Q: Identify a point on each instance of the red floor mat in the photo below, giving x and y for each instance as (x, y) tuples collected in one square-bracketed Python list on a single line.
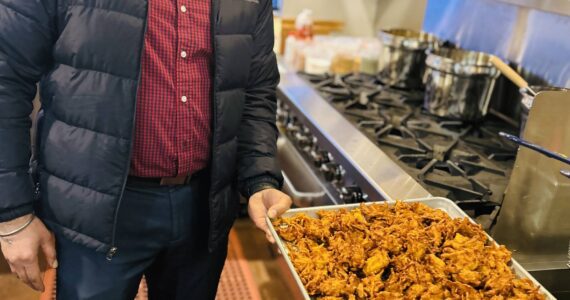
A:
[(236, 283), (237, 280)]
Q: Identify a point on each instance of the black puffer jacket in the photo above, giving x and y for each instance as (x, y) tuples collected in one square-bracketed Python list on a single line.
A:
[(85, 54)]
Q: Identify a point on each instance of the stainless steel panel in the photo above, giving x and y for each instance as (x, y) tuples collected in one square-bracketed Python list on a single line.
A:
[(444, 204), (374, 171), (533, 220)]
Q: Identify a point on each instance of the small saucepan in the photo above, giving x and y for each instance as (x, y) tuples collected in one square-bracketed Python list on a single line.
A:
[(459, 83), (402, 60)]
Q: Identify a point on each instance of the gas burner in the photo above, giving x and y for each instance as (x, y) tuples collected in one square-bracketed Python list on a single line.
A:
[(414, 98), (478, 190), (357, 80), (439, 152), (337, 89), (386, 100), (315, 78), (362, 101), (451, 129), (489, 142), (332, 87), (444, 151), (466, 162), (394, 125), (453, 125)]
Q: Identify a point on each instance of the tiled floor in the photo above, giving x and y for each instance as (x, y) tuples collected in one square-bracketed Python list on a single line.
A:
[(253, 271), (11, 288), (237, 281), (267, 267)]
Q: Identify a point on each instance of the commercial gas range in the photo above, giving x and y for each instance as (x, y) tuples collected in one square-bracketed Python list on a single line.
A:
[(362, 141), (466, 162)]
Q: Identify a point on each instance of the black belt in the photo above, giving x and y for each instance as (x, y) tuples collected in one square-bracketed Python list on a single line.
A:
[(164, 181)]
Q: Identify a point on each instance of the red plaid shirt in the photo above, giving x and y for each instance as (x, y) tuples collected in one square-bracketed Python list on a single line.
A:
[(172, 128)]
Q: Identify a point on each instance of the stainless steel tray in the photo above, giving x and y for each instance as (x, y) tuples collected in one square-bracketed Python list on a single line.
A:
[(444, 204)]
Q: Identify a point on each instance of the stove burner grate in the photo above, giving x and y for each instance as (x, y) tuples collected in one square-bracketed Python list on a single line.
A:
[(466, 162)]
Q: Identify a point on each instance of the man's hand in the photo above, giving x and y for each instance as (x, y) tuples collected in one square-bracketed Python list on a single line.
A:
[(269, 202), (21, 250)]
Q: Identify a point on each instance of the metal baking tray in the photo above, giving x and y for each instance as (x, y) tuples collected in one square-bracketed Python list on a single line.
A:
[(444, 204)]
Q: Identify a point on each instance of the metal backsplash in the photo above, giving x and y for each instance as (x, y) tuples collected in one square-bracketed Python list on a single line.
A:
[(533, 39)]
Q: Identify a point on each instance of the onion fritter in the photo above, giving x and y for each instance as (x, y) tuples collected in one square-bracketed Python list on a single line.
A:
[(401, 251)]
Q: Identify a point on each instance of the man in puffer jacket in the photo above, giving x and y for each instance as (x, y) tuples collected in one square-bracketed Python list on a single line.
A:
[(155, 114)]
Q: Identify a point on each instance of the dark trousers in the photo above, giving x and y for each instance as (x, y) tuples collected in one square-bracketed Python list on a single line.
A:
[(161, 233)]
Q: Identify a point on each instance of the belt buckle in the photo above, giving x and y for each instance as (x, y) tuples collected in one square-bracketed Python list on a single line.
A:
[(179, 180), (187, 179), (165, 181)]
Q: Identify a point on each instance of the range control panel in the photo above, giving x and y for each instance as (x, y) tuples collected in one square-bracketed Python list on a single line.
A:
[(331, 173)]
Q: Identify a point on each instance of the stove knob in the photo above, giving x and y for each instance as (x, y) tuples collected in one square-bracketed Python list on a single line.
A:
[(320, 157), (351, 194), (282, 116), (312, 144), (305, 141), (332, 171), (292, 129), (282, 105), (291, 121)]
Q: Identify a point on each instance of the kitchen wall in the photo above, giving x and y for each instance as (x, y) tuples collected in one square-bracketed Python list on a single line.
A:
[(400, 13), (362, 17), (532, 38)]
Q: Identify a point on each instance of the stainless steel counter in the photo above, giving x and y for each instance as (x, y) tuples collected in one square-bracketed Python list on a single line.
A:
[(376, 174)]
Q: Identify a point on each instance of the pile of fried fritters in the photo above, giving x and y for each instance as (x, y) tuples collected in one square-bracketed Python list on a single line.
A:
[(400, 251)]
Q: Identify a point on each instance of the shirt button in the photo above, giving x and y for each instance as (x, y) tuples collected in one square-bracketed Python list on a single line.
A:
[(183, 8), (184, 99), (183, 54)]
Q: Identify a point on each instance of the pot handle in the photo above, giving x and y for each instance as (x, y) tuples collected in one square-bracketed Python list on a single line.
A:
[(511, 74)]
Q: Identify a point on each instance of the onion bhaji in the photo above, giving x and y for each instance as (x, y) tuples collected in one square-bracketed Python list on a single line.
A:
[(401, 251)]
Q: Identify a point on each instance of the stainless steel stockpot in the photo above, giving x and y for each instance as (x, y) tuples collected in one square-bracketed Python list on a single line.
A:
[(402, 60), (459, 83)]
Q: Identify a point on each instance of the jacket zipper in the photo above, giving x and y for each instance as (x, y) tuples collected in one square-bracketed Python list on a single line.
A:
[(37, 190), (213, 22), (113, 250)]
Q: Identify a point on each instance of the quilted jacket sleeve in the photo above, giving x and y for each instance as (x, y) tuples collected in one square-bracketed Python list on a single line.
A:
[(25, 45), (258, 132)]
